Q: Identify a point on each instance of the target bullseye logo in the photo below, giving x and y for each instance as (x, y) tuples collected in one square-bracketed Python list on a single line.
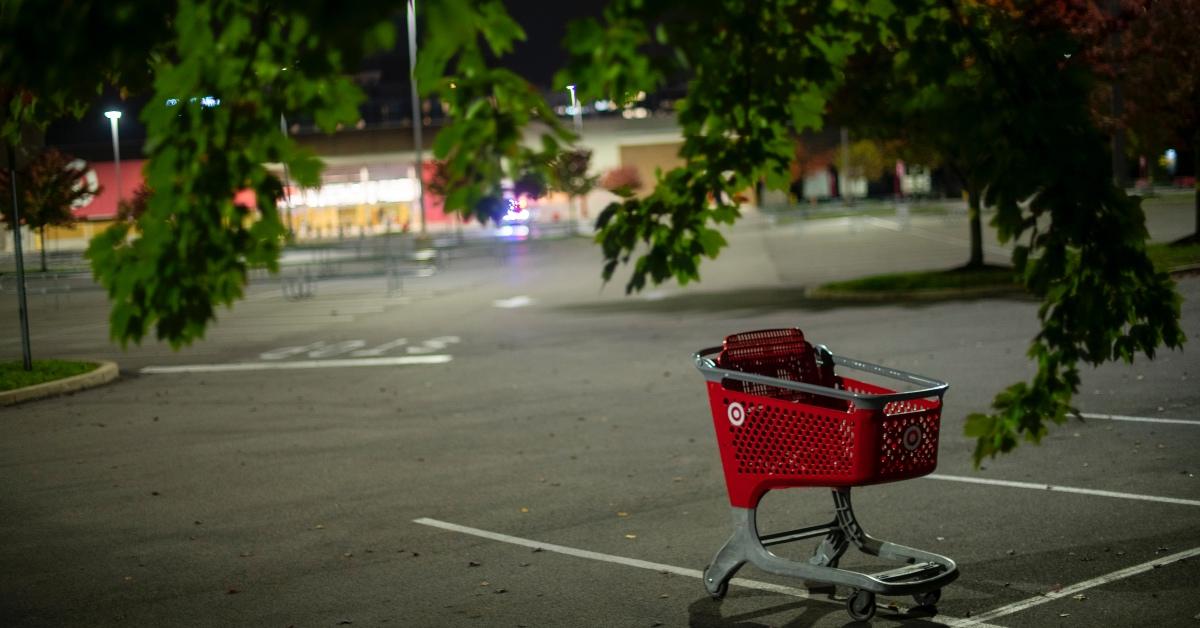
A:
[(736, 414), (912, 436)]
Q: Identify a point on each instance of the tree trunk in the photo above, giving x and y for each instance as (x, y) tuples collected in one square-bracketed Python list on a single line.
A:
[(42, 231), (976, 227), (1196, 183)]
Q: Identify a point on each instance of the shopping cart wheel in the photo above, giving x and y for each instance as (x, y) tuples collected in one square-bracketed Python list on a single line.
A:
[(717, 590), (861, 605), (928, 598)]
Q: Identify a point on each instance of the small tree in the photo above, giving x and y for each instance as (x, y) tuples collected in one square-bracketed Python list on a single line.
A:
[(622, 181), (131, 210), (531, 184), (49, 187), (1163, 84), (570, 174)]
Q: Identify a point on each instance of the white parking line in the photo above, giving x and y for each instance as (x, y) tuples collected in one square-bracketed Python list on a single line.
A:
[(1063, 489), (1083, 586), (893, 225), (515, 302), (1138, 419), (298, 364), (660, 567)]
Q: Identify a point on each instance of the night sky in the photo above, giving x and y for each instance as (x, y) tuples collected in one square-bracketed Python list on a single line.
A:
[(542, 53), (537, 59)]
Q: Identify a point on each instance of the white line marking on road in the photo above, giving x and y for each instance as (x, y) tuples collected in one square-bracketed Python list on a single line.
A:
[(434, 344), (645, 564), (515, 302), (337, 348), (1085, 585), (287, 352), (299, 364), (892, 225), (1064, 489), (1137, 419), (381, 349)]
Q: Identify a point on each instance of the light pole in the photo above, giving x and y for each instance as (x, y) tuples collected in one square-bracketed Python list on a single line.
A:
[(416, 107), (575, 111), (22, 302), (287, 185), (578, 116), (113, 116)]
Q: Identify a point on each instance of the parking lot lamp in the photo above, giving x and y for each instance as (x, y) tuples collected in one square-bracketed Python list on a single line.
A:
[(113, 116)]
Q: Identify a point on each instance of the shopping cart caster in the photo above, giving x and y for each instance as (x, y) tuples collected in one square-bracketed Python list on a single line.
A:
[(928, 599), (861, 605), (716, 590)]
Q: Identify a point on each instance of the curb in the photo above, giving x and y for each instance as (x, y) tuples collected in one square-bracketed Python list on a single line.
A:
[(104, 373), (911, 295)]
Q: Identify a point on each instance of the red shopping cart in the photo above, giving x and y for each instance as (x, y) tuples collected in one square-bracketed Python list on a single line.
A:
[(785, 418)]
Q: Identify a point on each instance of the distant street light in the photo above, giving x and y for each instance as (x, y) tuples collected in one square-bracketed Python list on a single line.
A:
[(575, 111), (113, 116)]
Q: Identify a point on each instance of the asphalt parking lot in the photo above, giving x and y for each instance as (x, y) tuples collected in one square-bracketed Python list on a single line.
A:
[(507, 443)]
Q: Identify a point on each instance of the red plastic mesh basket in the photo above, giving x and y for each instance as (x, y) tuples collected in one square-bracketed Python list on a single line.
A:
[(771, 437)]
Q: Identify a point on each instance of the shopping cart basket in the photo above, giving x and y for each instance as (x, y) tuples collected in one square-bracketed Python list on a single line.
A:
[(784, 418)]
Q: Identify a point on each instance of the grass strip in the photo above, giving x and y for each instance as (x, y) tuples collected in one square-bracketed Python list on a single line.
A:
[(1174, 255), (1165, 257), (13, 375), (954, 279)]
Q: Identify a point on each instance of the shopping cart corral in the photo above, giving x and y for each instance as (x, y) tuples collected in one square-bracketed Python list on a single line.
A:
[(787, 415)]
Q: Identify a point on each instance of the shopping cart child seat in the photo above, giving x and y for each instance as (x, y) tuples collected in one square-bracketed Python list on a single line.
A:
[(786, 417)]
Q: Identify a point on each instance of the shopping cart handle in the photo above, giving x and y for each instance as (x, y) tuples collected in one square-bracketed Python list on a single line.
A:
[(929, 387)]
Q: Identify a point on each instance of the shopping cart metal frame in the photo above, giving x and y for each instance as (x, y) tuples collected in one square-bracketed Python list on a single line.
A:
[(922, 574)]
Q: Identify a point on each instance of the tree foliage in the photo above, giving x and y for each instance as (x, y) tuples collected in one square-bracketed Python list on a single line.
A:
[(193, 244), (622, 181), (986, 88), (1162, 84), (569, 172), (48, 188), (530, 184), (133, 208), (870, 159), (979, 82), (489, 105)]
